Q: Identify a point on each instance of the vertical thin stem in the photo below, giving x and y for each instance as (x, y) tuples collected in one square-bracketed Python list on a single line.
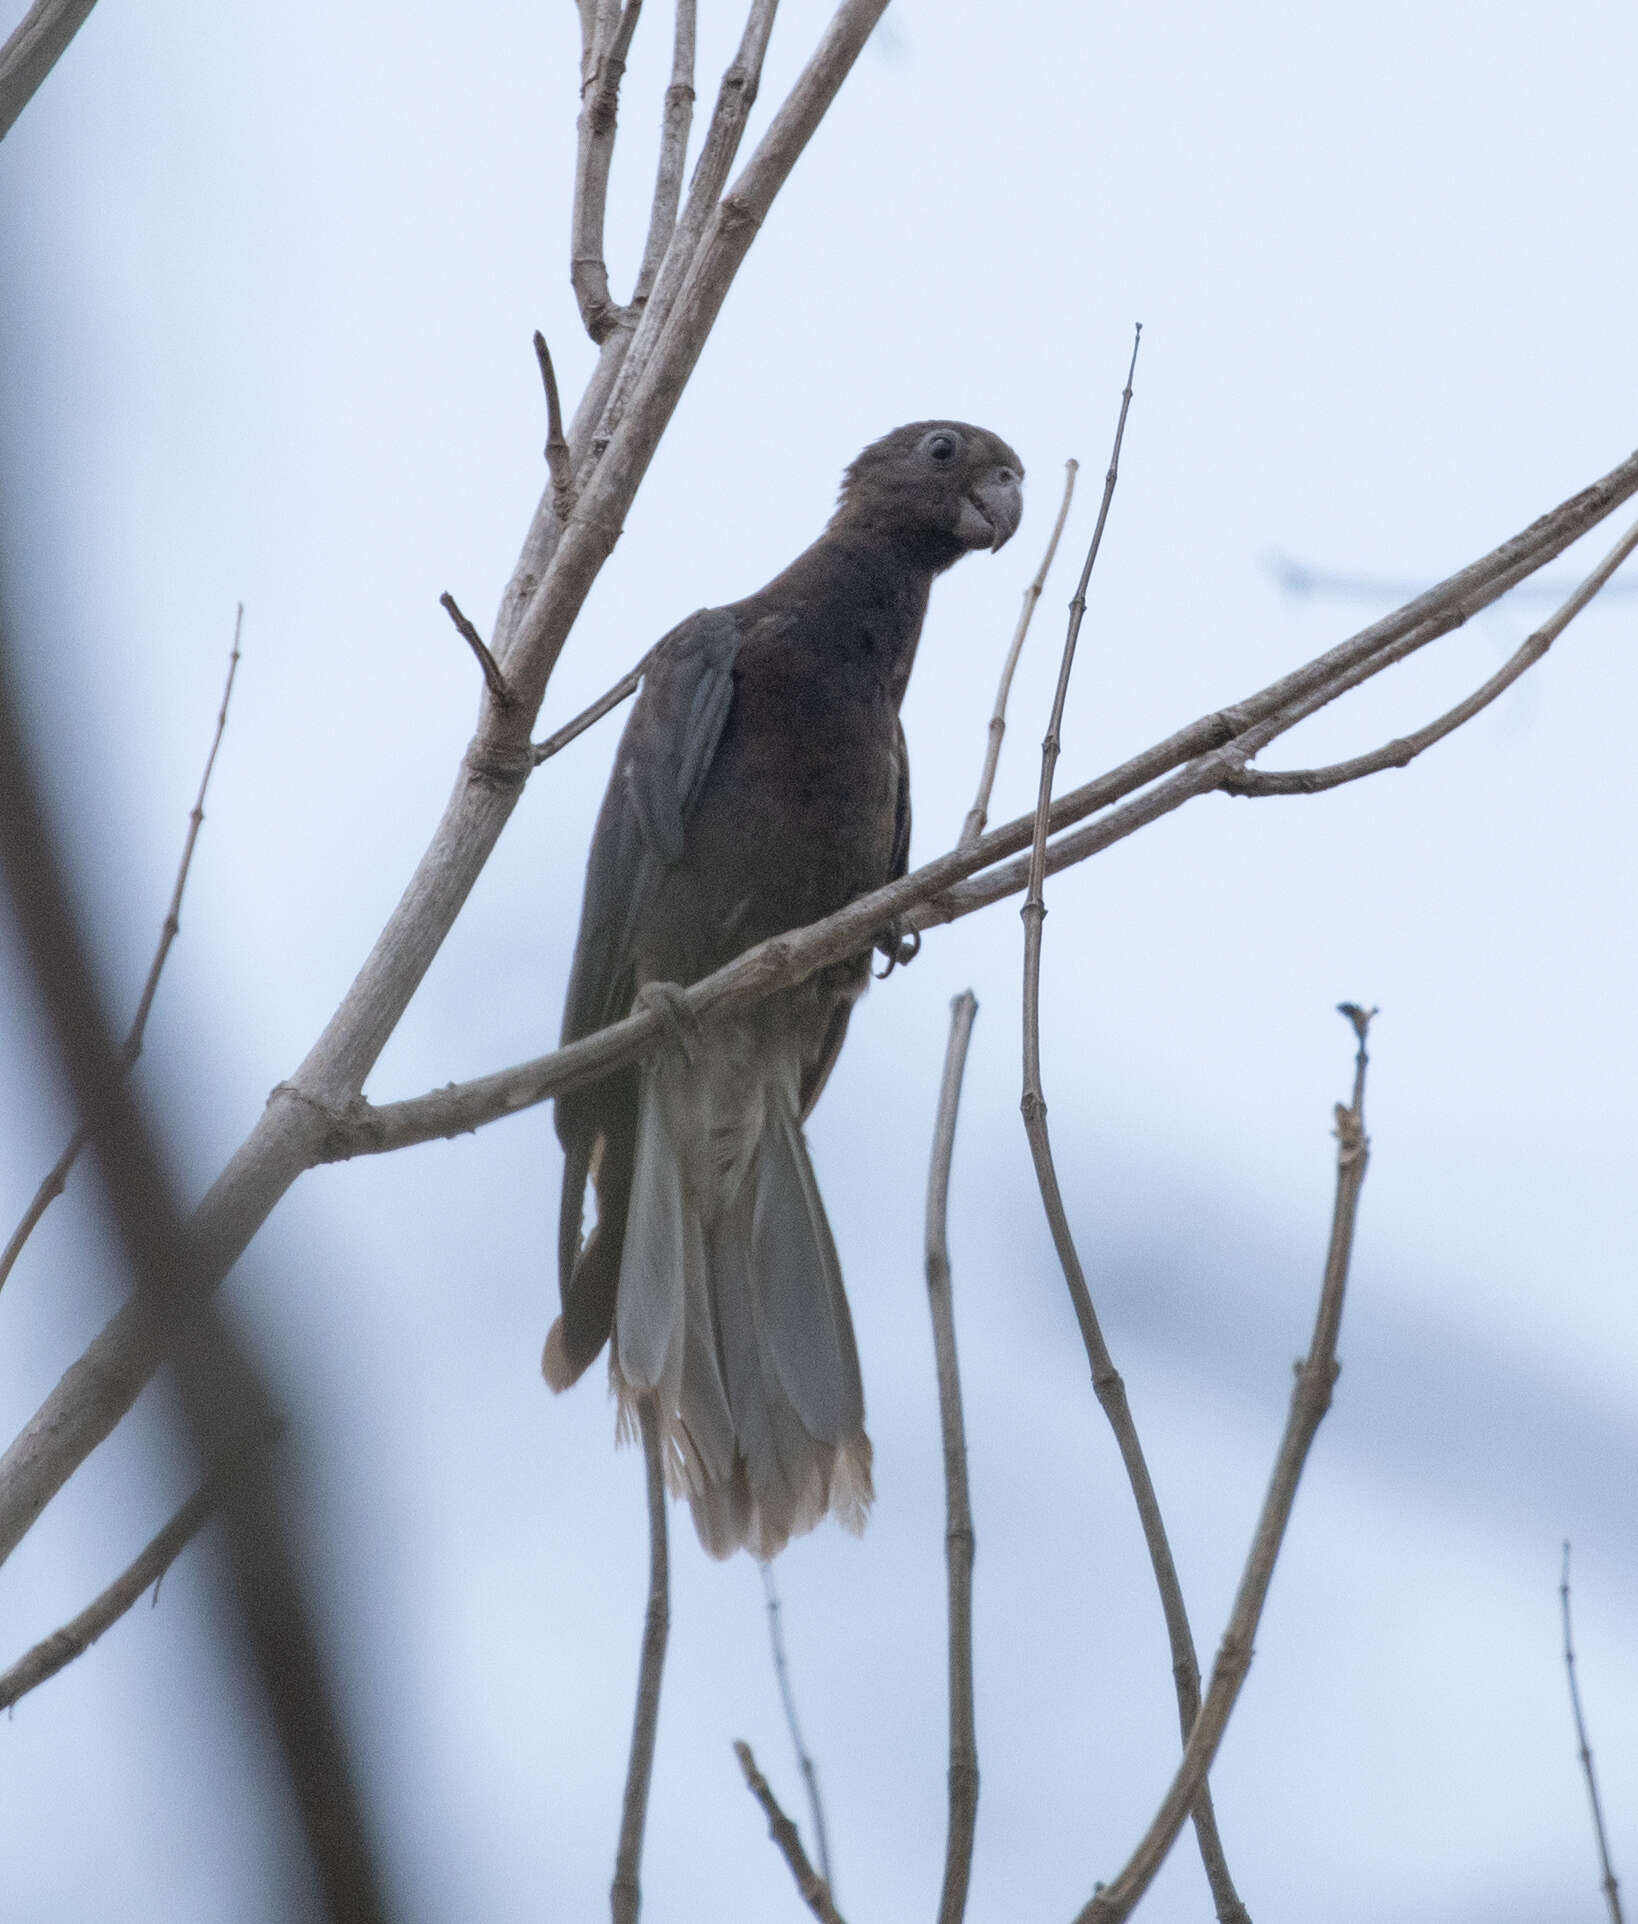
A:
[(979, 813), (677, 120), (625, 1893), (959, 1542), (1611, 1889)]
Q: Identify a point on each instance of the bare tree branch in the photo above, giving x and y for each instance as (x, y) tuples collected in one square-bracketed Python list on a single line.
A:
[(1310, 1399), (979, 813), (554, 574), (967, 879), (1107, 1383), (1404, 750), (625, 1891), (30, 53), (56, 1180), (804, 1760), (494, 680), (1607, 1882), (960, 1544), (809, 1883)]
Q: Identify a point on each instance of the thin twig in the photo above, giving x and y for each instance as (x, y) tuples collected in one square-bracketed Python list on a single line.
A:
[(33, 49), (625, 1891), (960, 1544), (812, 1887), (57, 1178), (1611, 1889), (677, 117), (611, 698), (493, 678), (1107, 1383), (1405, 749), (1310, 1399), (804, 1759), (979, 813), (57, 1651), (557, 448)]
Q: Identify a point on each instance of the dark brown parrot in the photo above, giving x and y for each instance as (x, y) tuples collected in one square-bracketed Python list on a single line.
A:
[(761, 784)]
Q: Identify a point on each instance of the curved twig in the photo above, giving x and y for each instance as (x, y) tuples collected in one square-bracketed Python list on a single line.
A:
[(56, 1179), (1607, 1881)]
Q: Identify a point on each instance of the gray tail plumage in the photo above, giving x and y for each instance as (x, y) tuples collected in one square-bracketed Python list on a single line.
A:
[(731, 1310)]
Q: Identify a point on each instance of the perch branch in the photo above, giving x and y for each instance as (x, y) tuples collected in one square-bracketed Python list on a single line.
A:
[(1310, 1399), (1607, 1882), (33, 49), (979, 813), (1107, 1383), (55, 1181), (804, 1759), (493, 678), (960, 1544), (624, 1893), (558, 467), (814, 1891)]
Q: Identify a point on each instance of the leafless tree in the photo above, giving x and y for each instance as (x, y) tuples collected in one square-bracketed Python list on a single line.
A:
[(648, 346)]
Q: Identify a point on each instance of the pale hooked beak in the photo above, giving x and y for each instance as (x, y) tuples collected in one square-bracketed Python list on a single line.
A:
[(991, 511)]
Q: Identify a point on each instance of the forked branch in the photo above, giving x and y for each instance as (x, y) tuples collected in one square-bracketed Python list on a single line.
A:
[(1310, 1399), (814, 1892)]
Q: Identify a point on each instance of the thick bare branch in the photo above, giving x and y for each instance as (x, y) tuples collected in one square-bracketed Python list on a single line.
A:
[(960, 1544), (812, 1887), (554, 574), (625, 1891), (979, 813), (56, 1179), (1310, 1399), (964, 880), (30, 53), (1607, 1880)]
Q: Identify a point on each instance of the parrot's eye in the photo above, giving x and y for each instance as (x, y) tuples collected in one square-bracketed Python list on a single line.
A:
[(941, 448)]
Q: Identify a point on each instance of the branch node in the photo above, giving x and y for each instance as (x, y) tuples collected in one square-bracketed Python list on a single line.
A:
[(558, 464)]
